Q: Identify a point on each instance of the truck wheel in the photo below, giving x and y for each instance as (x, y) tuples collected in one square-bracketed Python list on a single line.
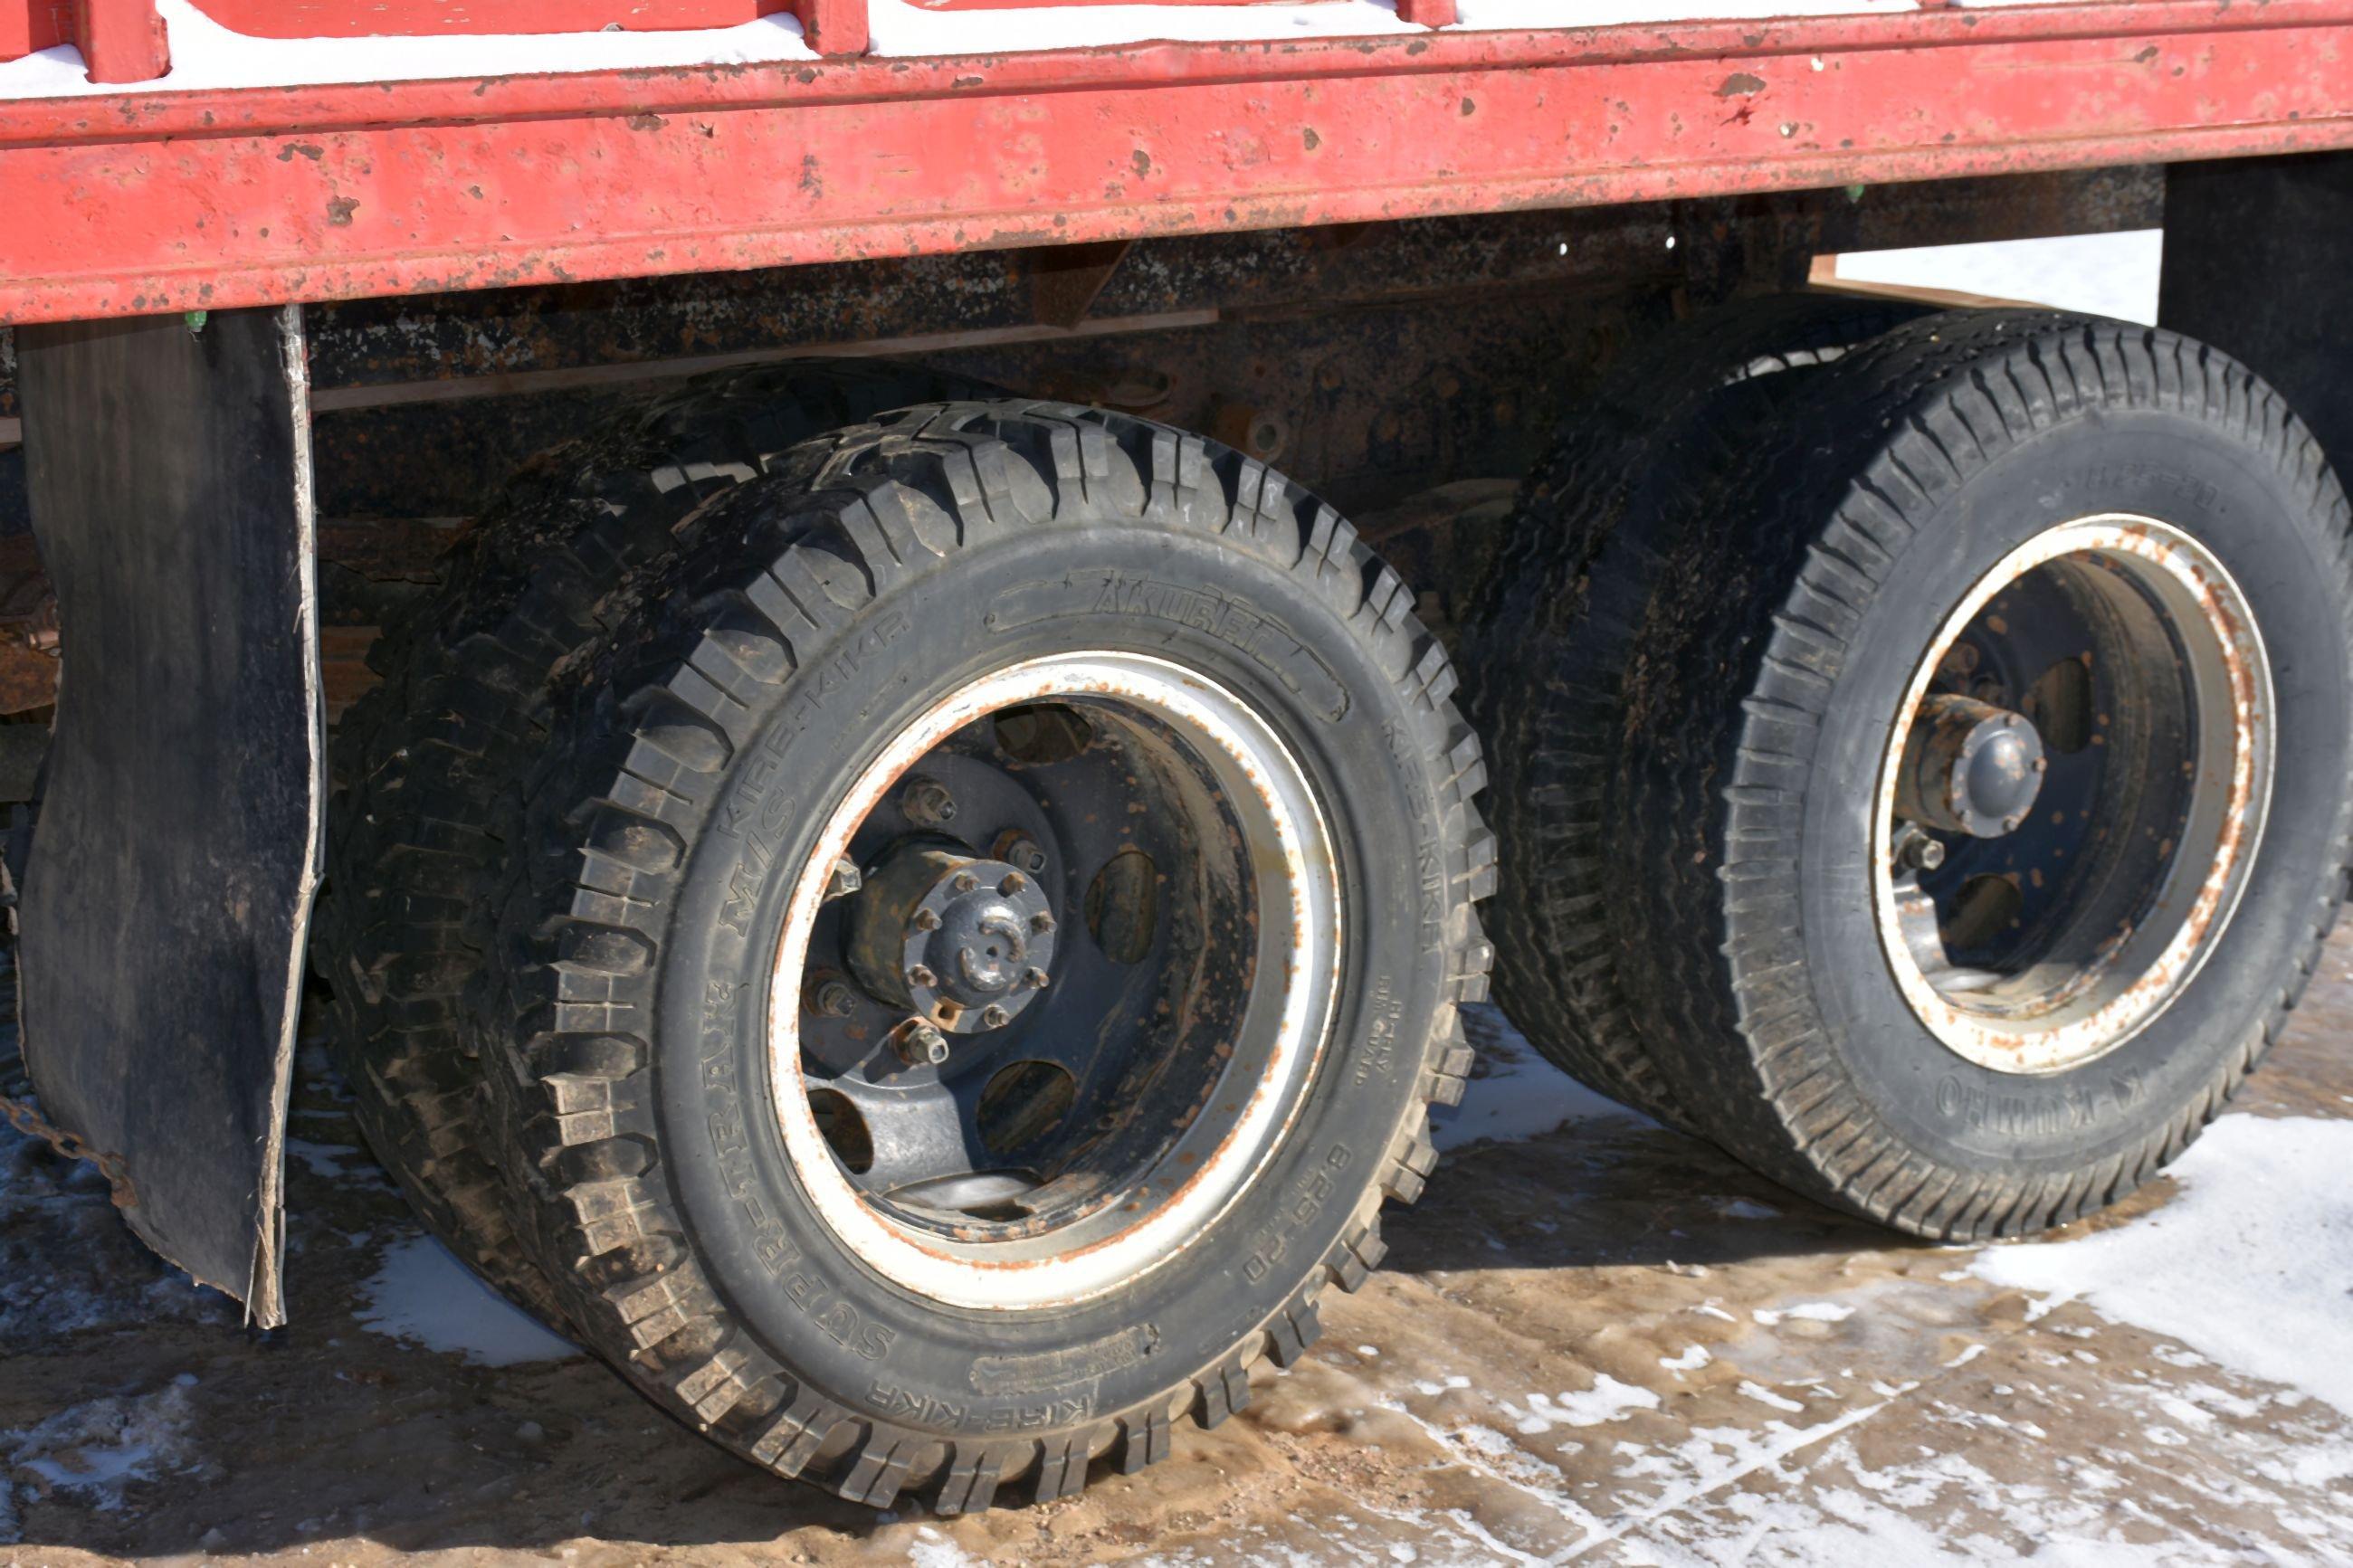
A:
[(983, 941), (1545, 652), (1987, 778), (412, 855)]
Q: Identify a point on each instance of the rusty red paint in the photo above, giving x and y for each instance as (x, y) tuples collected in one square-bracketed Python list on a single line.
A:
[(168, 202)]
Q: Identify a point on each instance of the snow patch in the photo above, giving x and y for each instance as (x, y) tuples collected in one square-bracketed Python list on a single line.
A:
[(96, 1448), (205, 54), (1514, 1094), (1804, 1311), (1607, 1400), (423, 1295), (1693, 1358), (2251, 1263)]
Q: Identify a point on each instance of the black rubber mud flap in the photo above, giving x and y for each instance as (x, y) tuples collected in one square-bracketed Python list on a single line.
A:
[(169, 891)]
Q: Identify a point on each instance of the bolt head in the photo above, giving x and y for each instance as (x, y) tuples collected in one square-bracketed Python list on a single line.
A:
[(1037, 979), (921, 1045), (1034, 858), (832, 999), (965, 882), (1041, 921), (917, 974), (994, 1016), (1013, 883), (926, 920)]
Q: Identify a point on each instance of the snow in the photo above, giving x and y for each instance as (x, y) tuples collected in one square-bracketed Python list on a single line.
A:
[(2250, 1264), (1607, 1400), (1516, 1094), (95, 1448), (207, 55), (1804, 1311), (2098, 274), (423, 1294)]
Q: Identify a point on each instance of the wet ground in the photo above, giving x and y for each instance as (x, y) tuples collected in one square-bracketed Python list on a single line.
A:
[(1595, 1339)]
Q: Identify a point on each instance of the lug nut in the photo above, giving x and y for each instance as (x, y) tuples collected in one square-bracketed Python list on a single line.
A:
[(831, 997), (926, 920), (918, 976), (844, 880), (1016, 849), (927, 802), (1013, 883), (965, 882), (994, 1016), (922, 1045), (1041, 921), (1921, 853), (1037, 979)]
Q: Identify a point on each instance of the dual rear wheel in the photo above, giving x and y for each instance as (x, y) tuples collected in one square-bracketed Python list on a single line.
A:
[(925, 934)]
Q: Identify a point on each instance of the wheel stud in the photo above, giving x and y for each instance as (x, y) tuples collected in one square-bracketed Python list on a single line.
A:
[(1919, 852), (965, 882), (994, 1016), (921, 976), (926, 920), (1041, 921), (920, 1044), (829, 996), (1037, 979), (1013, 883), (927, 802)]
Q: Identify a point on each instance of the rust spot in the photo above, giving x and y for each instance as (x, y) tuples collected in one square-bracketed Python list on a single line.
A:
[(339, 210), (1740, 84), (645, 122)]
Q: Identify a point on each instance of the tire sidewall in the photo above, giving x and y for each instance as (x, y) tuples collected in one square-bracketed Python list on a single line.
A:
[(2235, 499), (1257, 626)]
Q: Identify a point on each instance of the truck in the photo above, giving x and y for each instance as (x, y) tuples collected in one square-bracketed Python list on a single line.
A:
[(893, 668)]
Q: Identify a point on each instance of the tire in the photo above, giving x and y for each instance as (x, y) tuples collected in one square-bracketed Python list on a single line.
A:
[(668, 827), (412, 853), (1779, 672), (1545, 653)]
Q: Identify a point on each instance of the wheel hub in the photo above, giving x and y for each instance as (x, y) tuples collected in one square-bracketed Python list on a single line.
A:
[(965, 941), (1970, 767)]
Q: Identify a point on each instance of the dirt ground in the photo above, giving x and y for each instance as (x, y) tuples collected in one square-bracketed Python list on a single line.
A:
[(1605, 1341)]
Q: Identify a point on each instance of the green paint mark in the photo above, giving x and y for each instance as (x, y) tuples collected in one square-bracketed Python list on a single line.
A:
[(195, 320)]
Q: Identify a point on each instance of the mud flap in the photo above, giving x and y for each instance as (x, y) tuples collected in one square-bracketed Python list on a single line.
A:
[(170, 884)]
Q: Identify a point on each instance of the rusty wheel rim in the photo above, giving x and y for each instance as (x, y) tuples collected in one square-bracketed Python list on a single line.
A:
[(1053, 984), (2071, 794)]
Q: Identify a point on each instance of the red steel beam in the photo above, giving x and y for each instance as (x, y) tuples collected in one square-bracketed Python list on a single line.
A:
[(168, 202)]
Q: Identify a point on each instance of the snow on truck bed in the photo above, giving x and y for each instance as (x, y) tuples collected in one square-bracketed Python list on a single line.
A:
[(207, 55)]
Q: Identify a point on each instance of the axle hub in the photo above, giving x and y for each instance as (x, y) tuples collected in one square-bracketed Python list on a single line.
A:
[(1970, 767), (965, 941)]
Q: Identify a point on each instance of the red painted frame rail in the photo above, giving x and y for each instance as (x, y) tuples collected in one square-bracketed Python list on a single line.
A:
[(147, 203)]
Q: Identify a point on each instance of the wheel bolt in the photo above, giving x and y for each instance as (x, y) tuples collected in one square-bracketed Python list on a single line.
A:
[(926, 920), (922, 1045), (994, 1016), (965, 882), (1037, 978), (927, 802), (1921, 853), (1041, 921), (1023, 852), (917, 974), (1013, 883), (831, 997)]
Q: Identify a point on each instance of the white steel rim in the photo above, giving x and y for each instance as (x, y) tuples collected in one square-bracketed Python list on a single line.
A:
[(1301, 945), (2230, 675)]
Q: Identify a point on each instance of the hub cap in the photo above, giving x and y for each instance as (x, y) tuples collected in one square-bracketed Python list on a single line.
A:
[(1069, 991), (2072, 794)]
